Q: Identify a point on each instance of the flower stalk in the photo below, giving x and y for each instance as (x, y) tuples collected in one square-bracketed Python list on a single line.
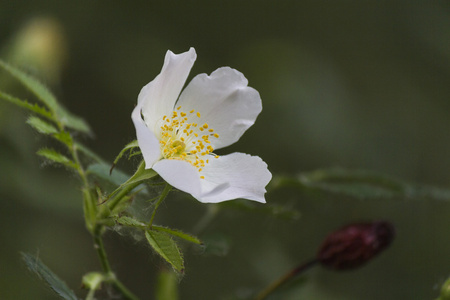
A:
[(347, 248), (285, 278), (163, 196)]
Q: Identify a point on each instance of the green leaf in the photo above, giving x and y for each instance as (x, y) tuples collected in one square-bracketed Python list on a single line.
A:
[(36, 266), (24, 104), (178, 233), (37, 88), (163, 244), (64, 137), (46, 97), (56, 157), (44, 127), (128, 221), (360, 184), (167, 287), (101, 171), (140, 175), (41, 126), (86, 151), (70, 120)]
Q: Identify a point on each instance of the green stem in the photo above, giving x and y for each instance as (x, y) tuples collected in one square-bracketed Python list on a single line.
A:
[(163, 196), (112, 203), (97, 232), (119, 286), (285, 278), (98, 245), (126, 293)]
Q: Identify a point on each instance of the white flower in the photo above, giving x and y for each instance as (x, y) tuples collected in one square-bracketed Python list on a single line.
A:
[(178, 135)]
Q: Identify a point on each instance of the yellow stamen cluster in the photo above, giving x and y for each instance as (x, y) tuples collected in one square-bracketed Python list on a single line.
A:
[(183, 139)]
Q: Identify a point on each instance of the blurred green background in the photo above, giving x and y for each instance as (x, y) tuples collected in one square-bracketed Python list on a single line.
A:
[(353, 84)]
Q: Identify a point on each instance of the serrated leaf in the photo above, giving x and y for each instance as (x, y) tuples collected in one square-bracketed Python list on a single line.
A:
[(41, 126), (46, 97), (361, 184), (33, 85), (64, 137), (36, 266), (128, 221), (56, 157), (178, 233), (166, 247), (25, 104)]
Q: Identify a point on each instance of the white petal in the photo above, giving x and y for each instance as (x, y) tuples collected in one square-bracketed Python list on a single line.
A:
[(147, 141), (179, 174), (225, 103), (233, 176), (159, 96)]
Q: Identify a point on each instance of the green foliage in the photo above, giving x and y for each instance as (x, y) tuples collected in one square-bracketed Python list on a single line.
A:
[(90, 209), (41, 126), (57, 157), (445, 291), (130, 222), (178, 233), (88, 152), (101, 171), (139, 176), (58, 113), (26, 105), (36, 266), (64, 137), (360, 184), (165, 246)]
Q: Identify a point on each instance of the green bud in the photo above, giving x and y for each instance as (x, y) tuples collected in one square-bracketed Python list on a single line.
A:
[(445, 291), (92, 281)]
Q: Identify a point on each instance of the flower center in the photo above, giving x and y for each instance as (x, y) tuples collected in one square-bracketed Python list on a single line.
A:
[(182, 138)]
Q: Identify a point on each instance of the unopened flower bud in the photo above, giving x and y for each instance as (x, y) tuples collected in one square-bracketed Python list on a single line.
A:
[(355, 244), (445, 291)]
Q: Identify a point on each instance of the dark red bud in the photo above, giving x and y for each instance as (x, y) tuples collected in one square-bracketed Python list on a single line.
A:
[(355, 244)]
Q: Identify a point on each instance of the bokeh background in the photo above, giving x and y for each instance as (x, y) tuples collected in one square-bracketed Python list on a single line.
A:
[(352, 84)]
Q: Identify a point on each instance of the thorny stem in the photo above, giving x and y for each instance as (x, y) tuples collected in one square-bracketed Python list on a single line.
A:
[(98, 242), (120, 287), (285, 278), (163, 196)]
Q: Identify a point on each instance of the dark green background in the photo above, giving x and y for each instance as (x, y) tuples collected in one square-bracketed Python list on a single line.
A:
[(354, 84)]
